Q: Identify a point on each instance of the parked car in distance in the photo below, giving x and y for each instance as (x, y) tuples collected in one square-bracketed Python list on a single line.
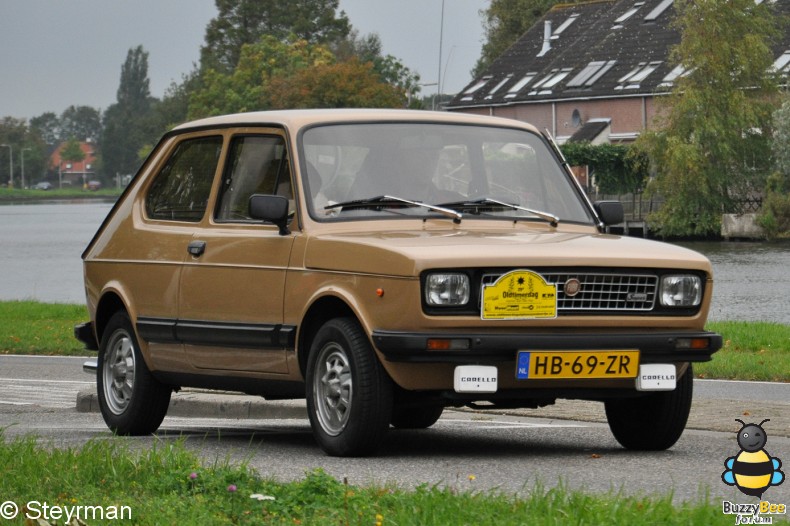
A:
[(385, 265), (93, 185), (43, 185)]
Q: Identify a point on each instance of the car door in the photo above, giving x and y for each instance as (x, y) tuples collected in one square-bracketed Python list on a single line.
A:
[(232, 283), (150, 258)]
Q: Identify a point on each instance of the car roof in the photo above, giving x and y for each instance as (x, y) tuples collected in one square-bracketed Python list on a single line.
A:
[(295, 119)]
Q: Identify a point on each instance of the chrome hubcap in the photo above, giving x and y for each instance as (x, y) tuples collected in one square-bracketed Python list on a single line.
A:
[(118, 372), (333, 388)]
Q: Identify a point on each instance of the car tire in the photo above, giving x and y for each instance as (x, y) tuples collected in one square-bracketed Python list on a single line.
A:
[(653, 422), (131, 400), (410, 416), (349, 395)]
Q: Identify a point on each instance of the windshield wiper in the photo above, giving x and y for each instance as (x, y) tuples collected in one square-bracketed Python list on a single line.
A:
[(546, 216), (372, 202)]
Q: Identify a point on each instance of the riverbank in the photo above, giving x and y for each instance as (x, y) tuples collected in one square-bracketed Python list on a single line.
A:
[(757, 351), (14, 195)]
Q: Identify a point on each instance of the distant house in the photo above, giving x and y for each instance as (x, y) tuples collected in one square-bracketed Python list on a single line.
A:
[(590, 71), (74, 173)]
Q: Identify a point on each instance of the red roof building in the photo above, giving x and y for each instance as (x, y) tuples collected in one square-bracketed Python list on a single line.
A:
[(74, 172)]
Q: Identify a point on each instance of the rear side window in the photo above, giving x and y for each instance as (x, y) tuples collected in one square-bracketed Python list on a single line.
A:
[(181, 189)]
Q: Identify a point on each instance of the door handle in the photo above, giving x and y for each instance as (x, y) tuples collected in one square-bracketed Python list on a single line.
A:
[(196, 248)]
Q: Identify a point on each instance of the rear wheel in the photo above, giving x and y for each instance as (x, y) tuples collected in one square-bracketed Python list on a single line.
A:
[(131, 400), (652, 422), (349, 395)]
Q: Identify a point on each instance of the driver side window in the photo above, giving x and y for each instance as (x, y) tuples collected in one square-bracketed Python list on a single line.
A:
[(256, 165)]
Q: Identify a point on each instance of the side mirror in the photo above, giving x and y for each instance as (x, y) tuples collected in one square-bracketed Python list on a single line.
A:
[(271, 208), (610, 212)]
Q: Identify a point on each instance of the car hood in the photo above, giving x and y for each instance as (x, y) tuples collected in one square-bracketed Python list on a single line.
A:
[(407, 253)]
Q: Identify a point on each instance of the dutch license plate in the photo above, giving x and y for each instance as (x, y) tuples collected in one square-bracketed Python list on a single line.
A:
[(577, 364)]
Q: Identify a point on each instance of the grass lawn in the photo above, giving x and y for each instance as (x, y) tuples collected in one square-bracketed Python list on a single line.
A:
[(29, 327), (752, 350), (168, 484), (22, 195)]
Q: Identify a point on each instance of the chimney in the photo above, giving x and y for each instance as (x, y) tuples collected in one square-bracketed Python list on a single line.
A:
[(546, 38)]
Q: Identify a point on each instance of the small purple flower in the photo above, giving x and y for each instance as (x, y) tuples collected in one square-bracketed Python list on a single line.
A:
[(192, 476), (232, 488)]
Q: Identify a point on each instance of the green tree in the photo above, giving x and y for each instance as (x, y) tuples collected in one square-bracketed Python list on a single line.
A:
[(130, 122), (369, 49), (504, 22), (247, 87), (72, 151), (712, 147), (82, 122), (241, 22), (616, 169), (775, 213), (350, 84), (47, 126), (172, 110), (24, 141)]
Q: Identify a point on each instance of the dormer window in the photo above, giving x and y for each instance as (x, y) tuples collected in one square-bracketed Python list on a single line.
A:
[(637, 75), (571, 19), (468, 93), (498, 86), (672, 76), (549, 81), (518, 86), (590, 74), (660, 8), (782, 64), (628, 14)]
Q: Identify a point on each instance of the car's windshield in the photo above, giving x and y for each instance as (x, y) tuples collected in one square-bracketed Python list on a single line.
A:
[(476, 170)]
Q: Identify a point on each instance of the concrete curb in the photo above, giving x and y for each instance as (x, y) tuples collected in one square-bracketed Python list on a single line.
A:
[(204, 404), (707, 415)]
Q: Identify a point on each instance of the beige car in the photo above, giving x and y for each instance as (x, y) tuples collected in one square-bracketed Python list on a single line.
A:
[(385, 265)]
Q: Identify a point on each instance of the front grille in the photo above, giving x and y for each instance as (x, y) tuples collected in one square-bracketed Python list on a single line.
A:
[(600, 291)]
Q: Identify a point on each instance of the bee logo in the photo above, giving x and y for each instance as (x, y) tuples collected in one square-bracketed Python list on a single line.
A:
[(752, 470)]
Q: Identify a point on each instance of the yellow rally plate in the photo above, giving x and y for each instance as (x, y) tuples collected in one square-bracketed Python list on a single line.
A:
[(519, 295), (552, 365)]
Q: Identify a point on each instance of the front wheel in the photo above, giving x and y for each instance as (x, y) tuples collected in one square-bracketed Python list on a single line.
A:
[(412, 416), (349, 395), (131, 400), (653, 422)]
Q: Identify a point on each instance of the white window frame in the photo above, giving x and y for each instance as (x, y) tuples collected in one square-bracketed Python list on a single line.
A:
[(521, 84), (660, 8)]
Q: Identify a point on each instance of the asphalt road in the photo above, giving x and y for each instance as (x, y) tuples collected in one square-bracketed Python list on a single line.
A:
[(567, 443)]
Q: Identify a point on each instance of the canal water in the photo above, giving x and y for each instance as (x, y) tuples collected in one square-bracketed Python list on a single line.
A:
[(41, 244)]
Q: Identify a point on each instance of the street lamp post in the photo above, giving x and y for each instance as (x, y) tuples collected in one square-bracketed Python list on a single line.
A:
[(23, 166), (422, 86), (10, 165), (439, 74)]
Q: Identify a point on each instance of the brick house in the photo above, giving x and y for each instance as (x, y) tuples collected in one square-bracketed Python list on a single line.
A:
[(590, 71), (74, 173)]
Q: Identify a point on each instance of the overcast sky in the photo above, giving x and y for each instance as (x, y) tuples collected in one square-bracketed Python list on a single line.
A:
[(55, 53)]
